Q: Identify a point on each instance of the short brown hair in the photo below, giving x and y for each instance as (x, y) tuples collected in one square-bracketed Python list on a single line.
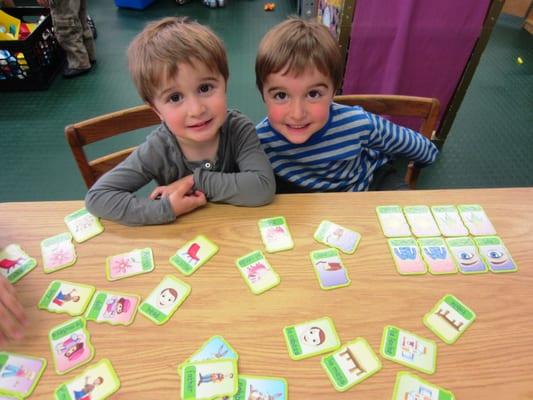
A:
[(154, 54), (295, 44)]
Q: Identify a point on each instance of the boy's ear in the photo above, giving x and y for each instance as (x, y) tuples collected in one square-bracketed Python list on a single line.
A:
[(155, 110)]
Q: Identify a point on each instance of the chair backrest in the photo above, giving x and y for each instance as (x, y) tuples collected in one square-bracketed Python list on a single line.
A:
[(102, 127), (425, 108)]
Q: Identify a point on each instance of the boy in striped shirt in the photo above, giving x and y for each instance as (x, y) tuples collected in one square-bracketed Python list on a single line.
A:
[(314, 144)]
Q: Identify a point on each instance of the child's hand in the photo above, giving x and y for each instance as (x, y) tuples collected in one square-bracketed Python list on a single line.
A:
[(12, 316), (183, 198)]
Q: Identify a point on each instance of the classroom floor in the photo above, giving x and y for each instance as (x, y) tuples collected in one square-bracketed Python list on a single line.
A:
[(489, 144)]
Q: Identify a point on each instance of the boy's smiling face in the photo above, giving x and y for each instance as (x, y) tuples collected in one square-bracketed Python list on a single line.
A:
[(298, 105)]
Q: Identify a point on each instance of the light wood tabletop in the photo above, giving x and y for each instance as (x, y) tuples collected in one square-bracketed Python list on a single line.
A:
[(492, 360)]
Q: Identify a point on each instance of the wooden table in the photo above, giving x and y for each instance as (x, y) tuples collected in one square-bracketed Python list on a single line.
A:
[(492, 360)]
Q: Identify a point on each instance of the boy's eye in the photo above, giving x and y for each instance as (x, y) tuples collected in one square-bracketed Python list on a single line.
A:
[(280, 96), (314, 94), (205, 88), (175, 98)]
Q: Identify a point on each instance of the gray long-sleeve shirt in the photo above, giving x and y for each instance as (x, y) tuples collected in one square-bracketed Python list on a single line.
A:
[(241, 175)]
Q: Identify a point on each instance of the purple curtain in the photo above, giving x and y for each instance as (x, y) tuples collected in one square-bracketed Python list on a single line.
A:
[(412, 47)]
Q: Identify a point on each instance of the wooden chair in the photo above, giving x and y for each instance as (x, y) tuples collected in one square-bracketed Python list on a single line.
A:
[(102, 127), (426, 108)]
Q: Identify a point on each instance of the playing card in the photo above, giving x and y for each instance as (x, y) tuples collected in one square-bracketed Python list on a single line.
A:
[(392, 221), (58, 252), (495, 254), (406, 256), (253, 387), (410, 387), (466, 255), (421, 221), (476, 220), (114, 308), (70, 345), (83, 225), (329, 269), (449, 221), (257, 272), (275, 234), (19, 374), (449, 318), (193, 255), (336, 236), (310, 338), (165, 299), (135, 262), (437, 256), (66, 297), (204, 380), (15, 263)]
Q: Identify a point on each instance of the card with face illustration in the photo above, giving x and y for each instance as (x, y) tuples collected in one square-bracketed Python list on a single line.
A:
[(392, 221), (408, 349), (406, 256), (135, 262), (215, 348), (66, 297), (466, 255), (329, 269), (70, 344), (495, 254), (449, 220), (336, 236), (253, 387), (58, 252), (476, 220), (113, 308), (165, 299), (437, 256), (257, 272), (15, 263), (98, 382), (421, 221), (449, 318), (193, 255), (310, 338), (409, 386), (204, 380), (19, 374), (275, 234), (83, 225), (354, 362)]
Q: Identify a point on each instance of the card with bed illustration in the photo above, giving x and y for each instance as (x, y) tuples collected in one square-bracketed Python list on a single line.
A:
[(449, 318), (392, 221), (66, 297), (261, 388), (58, 252), (83, 225), (495, 254), (215, 348), (70, 344), (275, 234), (465, 253), (336, 236), (408, 349), (19, 374), (476, 220), (193, 255), (329, 269), (98, 382), (311, 338), (15, 263), (408, 386), (421, 221), (165, 299), (135, 262), (406, 256), (449, 220), (437, 256), (212, 379), (257, 272), (113, 308)]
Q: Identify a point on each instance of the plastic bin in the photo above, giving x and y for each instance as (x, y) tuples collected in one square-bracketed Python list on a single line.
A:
[(30, 64), (136, 4)]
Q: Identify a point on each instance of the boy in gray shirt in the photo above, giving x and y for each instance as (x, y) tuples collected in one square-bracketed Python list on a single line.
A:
[(201, 151)]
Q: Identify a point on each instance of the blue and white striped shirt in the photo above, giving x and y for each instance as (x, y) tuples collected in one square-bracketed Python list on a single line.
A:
[(343, 155)]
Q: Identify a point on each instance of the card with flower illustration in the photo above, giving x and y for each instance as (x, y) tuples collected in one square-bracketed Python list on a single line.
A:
[(212, 379), (165, 299), (193, 255), (70, 344), (98, 382), (465, 253), (58, 252), (311, 338), (408, 386), (437, 256), (495, 254), (135, 262), (421, 221), (66, 297), (19, 374), (406, 256), (15, 263), (275, 234), (329, 269), (392, 221), (449, 220), (336, 236), (113, 308), (476, 220), (83, 225), (257, 272), (255, 387)]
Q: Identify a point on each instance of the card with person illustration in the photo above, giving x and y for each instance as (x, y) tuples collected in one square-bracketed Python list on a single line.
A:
[(19, 374), (255, 387), (98, 382), (437, 256), (476, 220), (58, 252), (406, 255), (449, 318), (135, 262), (392, 221), (408, 349), (275, 234), (351, 364), (329, 269), (495, 254), (409, 386), (466, 255), (66, 297), (421, 221), (113, 308), (83, 225), (15, 262), (311, 338), (193, 255), (449, 220), (70, 344), (165, 299), (257, 272), (212, 379), (336, 236), (215, 348)]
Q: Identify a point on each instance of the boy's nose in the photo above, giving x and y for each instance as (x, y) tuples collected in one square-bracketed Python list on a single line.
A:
[(195, 106), (297, 111)]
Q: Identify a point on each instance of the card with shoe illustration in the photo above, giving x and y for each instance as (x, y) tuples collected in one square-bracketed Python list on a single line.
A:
[(329, 269)]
